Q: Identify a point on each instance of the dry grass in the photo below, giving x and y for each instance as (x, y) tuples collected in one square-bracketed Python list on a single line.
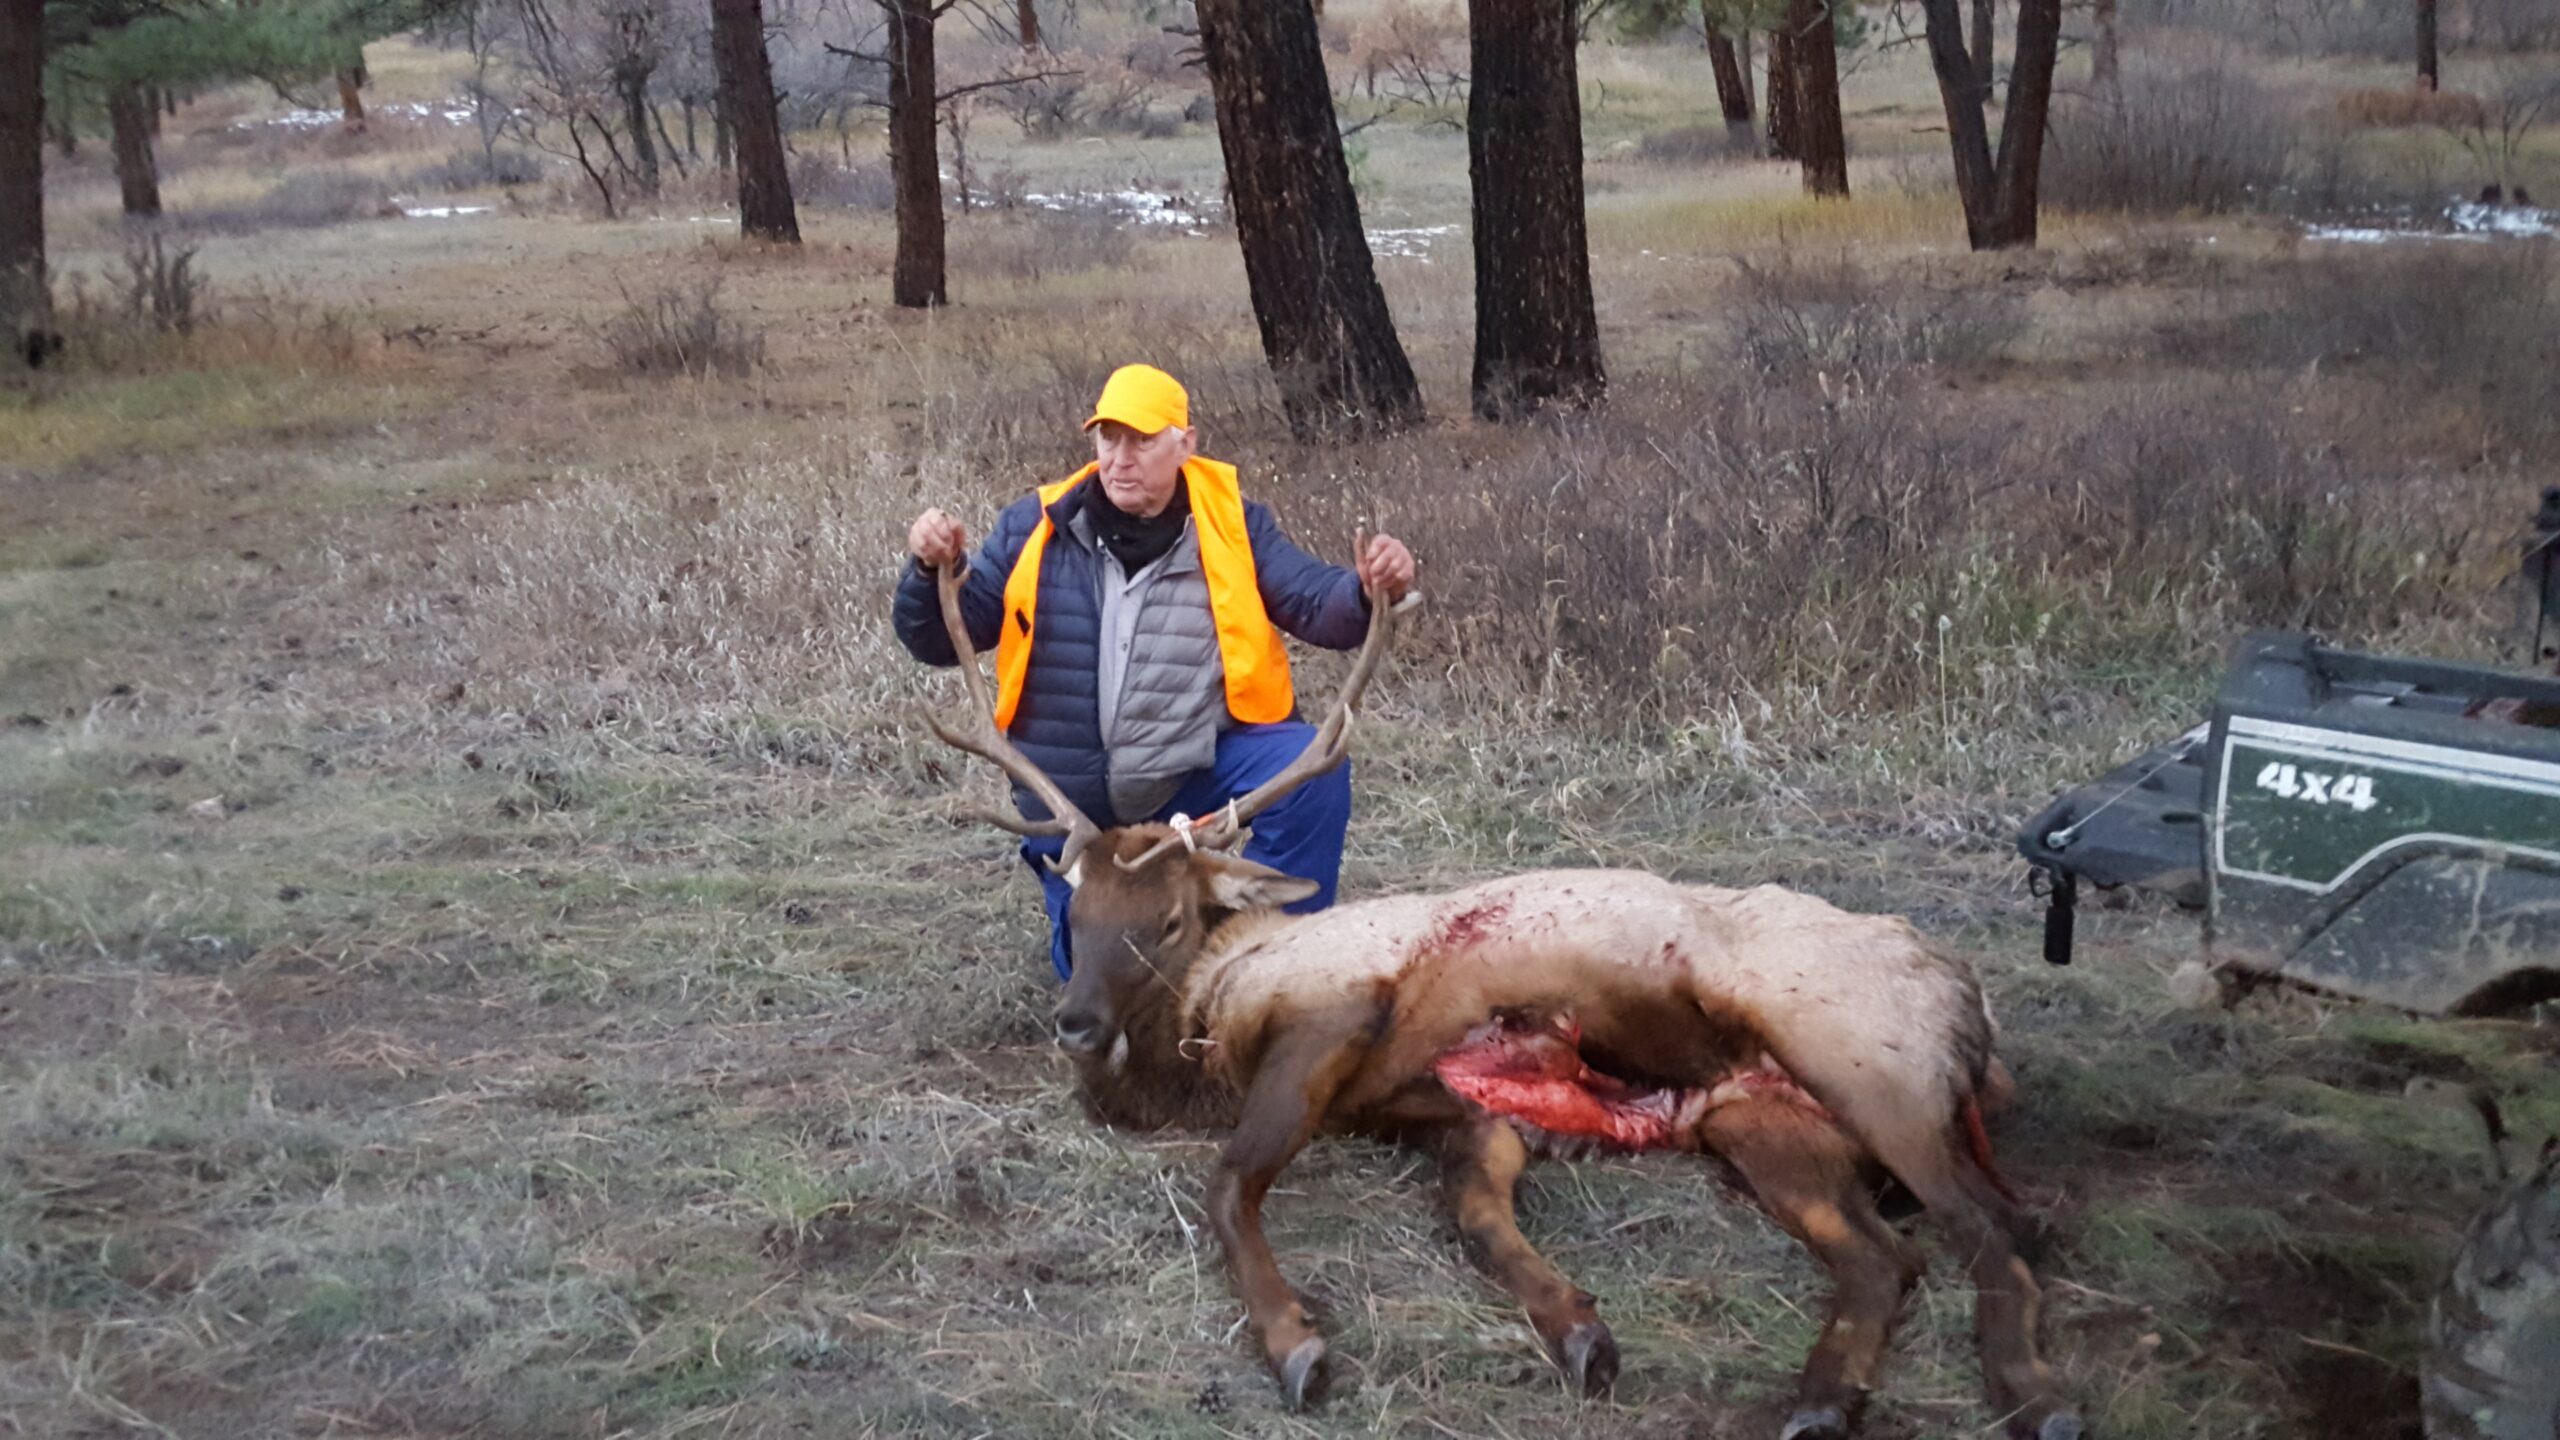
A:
[(570, 1016)]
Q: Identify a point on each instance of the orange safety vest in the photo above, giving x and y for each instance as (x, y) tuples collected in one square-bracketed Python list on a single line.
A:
[(1258, 689)]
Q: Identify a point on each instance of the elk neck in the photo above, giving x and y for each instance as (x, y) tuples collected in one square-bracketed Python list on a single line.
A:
[(1160, 1086)]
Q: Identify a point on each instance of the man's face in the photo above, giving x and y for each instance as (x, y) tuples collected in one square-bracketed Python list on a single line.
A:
[(1140, 471)]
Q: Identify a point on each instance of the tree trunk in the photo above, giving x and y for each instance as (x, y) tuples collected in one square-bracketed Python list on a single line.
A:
[(1325, 327), (2020, 166), (1999, 197), (2427, 59), (915, 161), (723, 136), (765, 211), (1733, 86), (1536, 336), (1026, 20), (1984, 33), (350, 95), (129, 124), (2104, 61), (1820, 143), (632, 83), (25, 303), (1781, 100), (686, 106)]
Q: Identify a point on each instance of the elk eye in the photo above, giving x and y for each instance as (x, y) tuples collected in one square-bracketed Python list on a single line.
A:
[(1173, 925)]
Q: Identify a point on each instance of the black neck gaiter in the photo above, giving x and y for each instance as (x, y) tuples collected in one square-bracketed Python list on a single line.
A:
[(1137, 541)]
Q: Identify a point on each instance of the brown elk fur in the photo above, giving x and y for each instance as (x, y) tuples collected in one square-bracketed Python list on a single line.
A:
[(1200, 1005)]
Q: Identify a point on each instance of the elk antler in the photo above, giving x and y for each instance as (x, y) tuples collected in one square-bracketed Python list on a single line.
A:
[(1331, 744), (981, 738)]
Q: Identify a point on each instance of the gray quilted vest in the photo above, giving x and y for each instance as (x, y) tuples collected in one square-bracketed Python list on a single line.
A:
[(1162, 684)]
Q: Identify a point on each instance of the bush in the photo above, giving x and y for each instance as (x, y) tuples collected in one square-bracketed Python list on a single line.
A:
[(816, 180), (1882, 547), (2473, 323), (313, 198), (1699, 145), (471, 168), (1101, 97), (1796, 319), (680, 332), (1055, 243), (161, 291), (2170, 138)]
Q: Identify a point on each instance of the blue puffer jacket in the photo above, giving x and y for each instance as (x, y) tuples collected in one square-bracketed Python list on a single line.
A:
[(1058, 724)]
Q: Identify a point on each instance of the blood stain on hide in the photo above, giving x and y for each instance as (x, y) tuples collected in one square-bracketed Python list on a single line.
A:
[(1470, 926)]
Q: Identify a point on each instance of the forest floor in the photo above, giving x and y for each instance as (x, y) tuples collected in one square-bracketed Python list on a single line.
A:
[(482, 953)]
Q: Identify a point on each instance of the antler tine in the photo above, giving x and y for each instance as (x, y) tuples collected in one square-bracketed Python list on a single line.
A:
[(1331, 744), (982, 739)]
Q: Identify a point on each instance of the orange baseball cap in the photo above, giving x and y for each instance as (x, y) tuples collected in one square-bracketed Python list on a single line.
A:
[(1143, 398)]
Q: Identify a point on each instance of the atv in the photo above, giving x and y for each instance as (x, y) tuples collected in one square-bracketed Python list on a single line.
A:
[(2389, 830)]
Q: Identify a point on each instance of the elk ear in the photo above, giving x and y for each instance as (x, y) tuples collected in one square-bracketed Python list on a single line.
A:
[(1243, 885)]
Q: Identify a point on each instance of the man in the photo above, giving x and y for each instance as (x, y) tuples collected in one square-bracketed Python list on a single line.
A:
[(1133, 608)]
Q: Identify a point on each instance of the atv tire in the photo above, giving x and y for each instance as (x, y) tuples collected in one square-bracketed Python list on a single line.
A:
[(2493, 1372)]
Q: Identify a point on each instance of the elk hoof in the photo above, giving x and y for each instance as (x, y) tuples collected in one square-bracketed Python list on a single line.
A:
[(1817, 1422), (2061, 1425), (1304, 1376), (1590, 1357)]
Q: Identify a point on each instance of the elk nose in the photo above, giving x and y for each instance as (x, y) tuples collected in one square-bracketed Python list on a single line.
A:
[(1079, 1033)]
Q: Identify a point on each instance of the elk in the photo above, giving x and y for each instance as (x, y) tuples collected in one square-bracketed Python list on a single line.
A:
[(1813, 1050)]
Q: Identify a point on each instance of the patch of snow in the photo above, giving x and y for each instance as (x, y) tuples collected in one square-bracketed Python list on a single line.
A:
[(2470, 220), (1412, 242), (442, 212), (1147, 207), (2474, 218), (450, 112)]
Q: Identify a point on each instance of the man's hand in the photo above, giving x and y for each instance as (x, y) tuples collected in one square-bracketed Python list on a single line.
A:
[(937, 540), (1386, 568)]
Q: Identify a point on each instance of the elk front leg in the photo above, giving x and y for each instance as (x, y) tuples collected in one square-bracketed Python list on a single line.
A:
[(1481, 1160), (1805, 1172), (1299, 1075)]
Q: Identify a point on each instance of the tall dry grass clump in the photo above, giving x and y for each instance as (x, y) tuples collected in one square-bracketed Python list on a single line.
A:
[(2172, 135), (656, 601), (680, 330)]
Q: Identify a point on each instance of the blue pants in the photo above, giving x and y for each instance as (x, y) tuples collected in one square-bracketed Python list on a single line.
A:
[(1301, 834)]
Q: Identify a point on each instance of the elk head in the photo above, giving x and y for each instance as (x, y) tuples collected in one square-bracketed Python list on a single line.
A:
[(1147, 897)]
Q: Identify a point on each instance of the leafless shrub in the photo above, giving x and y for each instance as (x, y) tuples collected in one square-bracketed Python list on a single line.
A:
[(1698, 145), (304, 200), (2495, 133), (2407, 105), (1098, 97), (680, 331), (1797, 318), (2515, 26), (161, 290), (2170, 137), (860, 185), (2474, 323), (1055, 243), (473, 168)]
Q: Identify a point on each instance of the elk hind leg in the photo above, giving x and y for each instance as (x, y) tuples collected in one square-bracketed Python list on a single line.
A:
[(1301, 1071), (1481, 1160), (1936, 1163), (1806, 1172)]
